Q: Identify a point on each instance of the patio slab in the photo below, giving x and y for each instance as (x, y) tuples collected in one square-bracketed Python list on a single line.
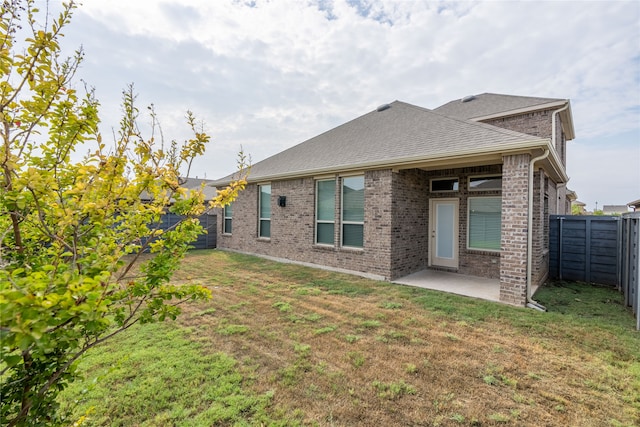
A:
[(460, 284)]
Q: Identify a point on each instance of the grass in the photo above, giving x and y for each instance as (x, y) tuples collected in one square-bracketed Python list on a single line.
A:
[(281, 344), (154, 375)]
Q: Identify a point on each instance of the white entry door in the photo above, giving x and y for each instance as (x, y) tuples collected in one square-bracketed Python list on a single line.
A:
[(443, 232)]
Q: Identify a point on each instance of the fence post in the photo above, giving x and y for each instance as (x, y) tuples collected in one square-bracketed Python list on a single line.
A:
[(560, 248)]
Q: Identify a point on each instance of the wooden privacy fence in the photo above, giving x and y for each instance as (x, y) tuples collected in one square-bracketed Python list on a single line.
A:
[(597, 249), (630, 284), (205, 240)]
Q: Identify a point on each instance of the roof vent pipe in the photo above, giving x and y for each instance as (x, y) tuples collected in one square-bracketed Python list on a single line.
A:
[(383, 107), (468, 98)]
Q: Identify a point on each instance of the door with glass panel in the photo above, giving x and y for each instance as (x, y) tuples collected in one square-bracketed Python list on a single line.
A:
[(443, 233)]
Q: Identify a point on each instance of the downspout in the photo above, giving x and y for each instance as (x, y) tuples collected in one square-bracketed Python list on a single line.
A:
[(530, 302)]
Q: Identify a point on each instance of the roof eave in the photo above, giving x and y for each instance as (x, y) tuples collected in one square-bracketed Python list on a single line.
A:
[(459, 158), (566, 115)]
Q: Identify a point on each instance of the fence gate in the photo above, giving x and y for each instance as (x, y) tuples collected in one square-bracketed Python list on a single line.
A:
[(585, 248)]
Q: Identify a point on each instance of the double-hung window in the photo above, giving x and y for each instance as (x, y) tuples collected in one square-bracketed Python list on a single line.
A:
[(228, 214), (264, 207), (353, 211), (325, 211), (484, 223)]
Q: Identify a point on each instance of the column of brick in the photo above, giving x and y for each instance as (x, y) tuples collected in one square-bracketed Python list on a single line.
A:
[(513, 259)]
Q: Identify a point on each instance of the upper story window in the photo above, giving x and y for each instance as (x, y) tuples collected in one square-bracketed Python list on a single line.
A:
[(353, 211), (444, 184), (325, 211), (485, 183), (227, 223), (264, 207)]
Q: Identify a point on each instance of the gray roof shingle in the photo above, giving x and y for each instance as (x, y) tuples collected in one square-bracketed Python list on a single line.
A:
[(488, 104), (399, 134)]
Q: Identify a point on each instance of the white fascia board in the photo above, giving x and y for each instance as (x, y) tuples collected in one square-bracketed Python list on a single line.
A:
[(453, 158), (567, 122), (516, 112)]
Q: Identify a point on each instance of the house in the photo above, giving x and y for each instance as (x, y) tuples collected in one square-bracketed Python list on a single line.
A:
[(578, 208), (635, 205), (614, 209), (466, 187)]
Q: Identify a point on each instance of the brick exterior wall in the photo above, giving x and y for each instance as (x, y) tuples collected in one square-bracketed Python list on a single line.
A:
[(410, 216), (293, 226), (471, 261), (396, 224), (540, 245), (513, 261), (537, 123), (396, 231)]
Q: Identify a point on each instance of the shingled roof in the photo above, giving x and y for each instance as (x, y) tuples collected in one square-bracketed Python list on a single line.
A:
[(401, 135), (487, 104), (490, 105)]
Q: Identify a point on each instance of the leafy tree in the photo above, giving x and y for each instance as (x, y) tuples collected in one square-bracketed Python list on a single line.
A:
[(80, 257)]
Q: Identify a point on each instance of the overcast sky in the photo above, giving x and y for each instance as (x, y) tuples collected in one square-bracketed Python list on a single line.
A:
[(267, 75)]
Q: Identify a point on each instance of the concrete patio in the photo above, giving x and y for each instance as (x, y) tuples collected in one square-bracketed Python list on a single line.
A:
[(460, 284)]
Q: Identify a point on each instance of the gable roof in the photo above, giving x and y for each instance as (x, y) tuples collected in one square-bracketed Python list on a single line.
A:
[(398, 136), (491, 105)]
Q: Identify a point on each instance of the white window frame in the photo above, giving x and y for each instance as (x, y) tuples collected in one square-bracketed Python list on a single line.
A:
[(260, 218), (451, 178), (319, 221), (226, 217), (469, 199), (342, 220)]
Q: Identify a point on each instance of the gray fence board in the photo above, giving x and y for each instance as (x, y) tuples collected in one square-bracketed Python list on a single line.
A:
[(598, 249), (585, 248), (631, 262), (206, 240)]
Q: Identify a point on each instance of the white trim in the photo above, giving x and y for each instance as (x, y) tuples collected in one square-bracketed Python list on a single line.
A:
[(518, 111), (224, 220), (433, 259), (260, 218), (342, 221), (318, 221), (474, 156)]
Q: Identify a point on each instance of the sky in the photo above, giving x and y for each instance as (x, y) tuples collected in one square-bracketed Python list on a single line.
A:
[(267, 75)]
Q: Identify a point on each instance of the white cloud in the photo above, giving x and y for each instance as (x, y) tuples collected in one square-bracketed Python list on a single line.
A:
[(269, 74)]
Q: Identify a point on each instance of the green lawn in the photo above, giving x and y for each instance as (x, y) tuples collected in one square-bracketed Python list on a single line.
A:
[(281, 344)]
